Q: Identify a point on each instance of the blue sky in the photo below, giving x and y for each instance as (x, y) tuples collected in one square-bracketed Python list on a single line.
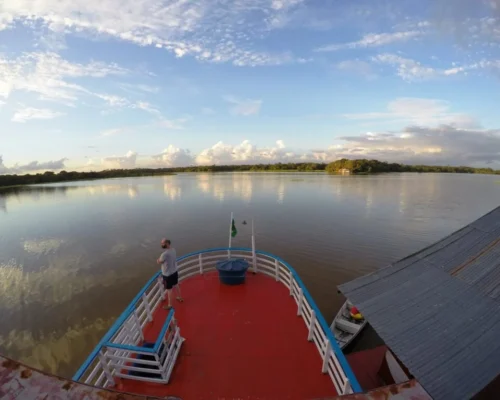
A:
[(90, 84)]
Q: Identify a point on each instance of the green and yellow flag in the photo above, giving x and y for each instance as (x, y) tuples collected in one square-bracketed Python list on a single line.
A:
[(234, 231)]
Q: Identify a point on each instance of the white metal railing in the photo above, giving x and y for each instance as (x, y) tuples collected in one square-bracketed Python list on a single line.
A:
[(126, 330), (120, 354)]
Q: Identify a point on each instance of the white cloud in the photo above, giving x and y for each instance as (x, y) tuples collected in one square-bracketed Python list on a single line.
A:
[(245, 107), (173, 124), (411, 70), (5, 21), (34, 166), (417, 111), (373, 40), (407, 69), (112, 132), (174, 157), (112, 100), (116, 162), (145, 106), (244, 153), (442, 144), (209, 30), (49, 75), (138, 88), (28, 113), (358, 67)]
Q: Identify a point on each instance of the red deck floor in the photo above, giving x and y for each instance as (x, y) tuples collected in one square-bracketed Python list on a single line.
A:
[(242, 342)]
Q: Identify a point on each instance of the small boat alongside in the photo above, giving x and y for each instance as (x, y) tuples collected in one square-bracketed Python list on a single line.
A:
[(347, 324)]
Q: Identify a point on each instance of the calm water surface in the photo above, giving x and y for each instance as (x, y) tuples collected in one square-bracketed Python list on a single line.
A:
[(72, 256)]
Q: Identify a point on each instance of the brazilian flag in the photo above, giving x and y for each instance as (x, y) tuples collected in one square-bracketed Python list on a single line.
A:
[(234, 231)]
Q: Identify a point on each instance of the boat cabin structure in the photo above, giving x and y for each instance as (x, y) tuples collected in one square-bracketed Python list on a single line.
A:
[(438, 312)]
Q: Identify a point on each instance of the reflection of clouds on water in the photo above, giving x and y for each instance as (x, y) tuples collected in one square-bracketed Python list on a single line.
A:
[(281, 192), (238, 184), (369, 200), (132, 191), (172, 191), (49, 351), (215, 187), (403, 194), (24, 195), (42, 246), (242, 186)]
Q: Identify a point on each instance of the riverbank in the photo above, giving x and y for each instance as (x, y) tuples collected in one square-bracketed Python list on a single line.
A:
[(343, 166)]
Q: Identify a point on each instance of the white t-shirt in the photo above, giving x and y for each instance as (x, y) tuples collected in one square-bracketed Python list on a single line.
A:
[(168, 262)]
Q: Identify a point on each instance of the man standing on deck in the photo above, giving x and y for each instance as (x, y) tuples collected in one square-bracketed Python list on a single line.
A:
[(168, 261)]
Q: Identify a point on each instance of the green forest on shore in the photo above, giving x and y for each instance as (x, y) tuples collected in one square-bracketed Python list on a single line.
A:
[(361, 166)]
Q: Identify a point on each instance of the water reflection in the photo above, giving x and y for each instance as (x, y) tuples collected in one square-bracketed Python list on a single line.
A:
[(172, 190), (42, 246)]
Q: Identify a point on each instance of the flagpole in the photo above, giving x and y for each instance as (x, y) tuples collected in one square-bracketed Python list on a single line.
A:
[(230, 235)]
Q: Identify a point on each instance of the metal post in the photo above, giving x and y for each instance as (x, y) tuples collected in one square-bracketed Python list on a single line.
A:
[(301, 296), (328, 350), (230, 235), (254, 252), (138, 324), (162, 371), (128, 332), (311, 326), (105, 367), (162, 288), (347, 387), (291, 283), (148, 307), (277, 270), (201, 264)]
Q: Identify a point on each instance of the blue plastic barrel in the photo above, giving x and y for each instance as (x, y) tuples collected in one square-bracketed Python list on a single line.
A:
[(232, 271)]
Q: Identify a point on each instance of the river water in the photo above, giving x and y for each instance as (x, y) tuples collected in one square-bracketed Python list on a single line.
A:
[(73, 255)]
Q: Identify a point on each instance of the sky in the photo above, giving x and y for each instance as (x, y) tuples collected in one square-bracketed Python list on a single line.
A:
[(99, 84)]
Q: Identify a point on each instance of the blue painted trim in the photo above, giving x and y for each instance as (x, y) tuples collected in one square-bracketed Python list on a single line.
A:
[(114, 328), (326, 328), (160, 337), (129, 347)]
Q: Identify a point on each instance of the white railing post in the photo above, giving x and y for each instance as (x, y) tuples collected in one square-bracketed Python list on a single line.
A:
[(105, 368), (301, 297), (162, 288), (347, 387), (311, 326), (230, 236), (138, 323), (328, 350), (147, 306), (200, 261), (254, 255), (277, 270), (128, 332), (162, 371), (291, 283)]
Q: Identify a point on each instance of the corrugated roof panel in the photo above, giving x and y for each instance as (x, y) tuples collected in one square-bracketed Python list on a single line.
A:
[(444, 242), (438, 310), (458, 251), (489, 222)]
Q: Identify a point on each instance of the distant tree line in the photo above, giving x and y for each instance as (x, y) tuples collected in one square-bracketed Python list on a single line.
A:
[(364, 166), (64, 176), (361, 166)]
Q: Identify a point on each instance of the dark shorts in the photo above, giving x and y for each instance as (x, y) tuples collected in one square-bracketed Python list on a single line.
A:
[(170, 281)]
